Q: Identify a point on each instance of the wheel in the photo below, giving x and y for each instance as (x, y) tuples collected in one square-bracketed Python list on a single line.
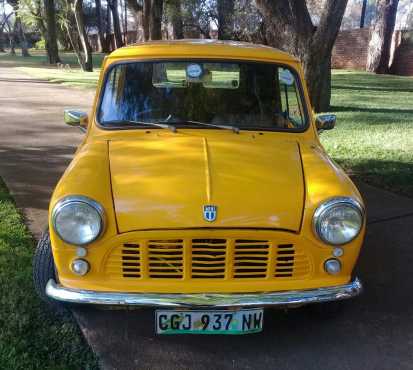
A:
[(44, 270)]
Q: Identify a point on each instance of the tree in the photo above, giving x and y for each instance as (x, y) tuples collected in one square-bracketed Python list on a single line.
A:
[(99, 26), (197, 16), (378, 55), (174, 13), (72, 19), (136, 8), (3, 23), (155, 22), (114, 8), (147, 5), (225, 19), (51, 32), (288, 26), (363, 14), (18, 31)]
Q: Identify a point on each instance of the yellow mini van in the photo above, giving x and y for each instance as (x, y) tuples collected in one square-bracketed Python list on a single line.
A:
[(201, 189)]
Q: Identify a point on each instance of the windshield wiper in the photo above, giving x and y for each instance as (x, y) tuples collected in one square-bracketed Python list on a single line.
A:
[(164, 124), (225, 127), (161, 124)]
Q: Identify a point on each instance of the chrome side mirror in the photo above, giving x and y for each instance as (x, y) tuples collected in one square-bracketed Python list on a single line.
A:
[(76, 118), (325, 121)]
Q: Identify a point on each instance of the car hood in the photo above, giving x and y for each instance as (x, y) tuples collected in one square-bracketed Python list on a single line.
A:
[(164, 182)]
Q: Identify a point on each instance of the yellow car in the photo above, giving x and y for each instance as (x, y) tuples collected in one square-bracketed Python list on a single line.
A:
[(201, 189)]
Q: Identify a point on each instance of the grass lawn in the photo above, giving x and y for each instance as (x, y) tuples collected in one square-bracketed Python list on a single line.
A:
[(373, 139), (69, 74), (30, 336)]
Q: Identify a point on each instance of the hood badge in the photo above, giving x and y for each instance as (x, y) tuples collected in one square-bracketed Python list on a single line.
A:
[(210, 213)]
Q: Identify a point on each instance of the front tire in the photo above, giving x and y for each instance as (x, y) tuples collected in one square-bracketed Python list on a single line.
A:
[(44, 270)]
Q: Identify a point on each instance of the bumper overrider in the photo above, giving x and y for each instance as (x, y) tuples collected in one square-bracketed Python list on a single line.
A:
[(198, 300)]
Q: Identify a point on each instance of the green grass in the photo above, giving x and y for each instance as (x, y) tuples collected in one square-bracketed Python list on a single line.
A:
[(72, 77), (69, 74), (373, 139), (30, 336)]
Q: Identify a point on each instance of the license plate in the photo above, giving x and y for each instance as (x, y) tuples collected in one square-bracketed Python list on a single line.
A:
[(209, 322)]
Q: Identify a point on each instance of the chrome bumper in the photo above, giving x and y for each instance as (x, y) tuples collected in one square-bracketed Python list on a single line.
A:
[(284, 298)]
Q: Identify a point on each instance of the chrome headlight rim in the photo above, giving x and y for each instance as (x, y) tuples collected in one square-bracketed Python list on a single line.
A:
[(71, 199), (330, 203)]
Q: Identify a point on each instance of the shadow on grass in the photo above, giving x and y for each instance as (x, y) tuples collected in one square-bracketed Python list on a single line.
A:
[(394, 176), (370, 88), (341, 108)]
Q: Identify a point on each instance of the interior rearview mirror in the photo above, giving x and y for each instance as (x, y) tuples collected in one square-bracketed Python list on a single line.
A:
[(76, 118), (325, 121)]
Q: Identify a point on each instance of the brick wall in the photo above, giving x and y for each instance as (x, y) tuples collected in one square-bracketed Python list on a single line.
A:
[(350, 49)]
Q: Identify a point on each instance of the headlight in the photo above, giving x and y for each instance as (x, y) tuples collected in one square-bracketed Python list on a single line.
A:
[(78, 220), (338, 221)]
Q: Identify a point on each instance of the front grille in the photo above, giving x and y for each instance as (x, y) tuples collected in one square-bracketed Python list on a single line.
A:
[(208, 258), (217, 259), (251, 258), (165, 259)]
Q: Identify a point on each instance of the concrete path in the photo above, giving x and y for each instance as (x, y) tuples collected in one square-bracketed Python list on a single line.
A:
[(35, 145), (375, 331)]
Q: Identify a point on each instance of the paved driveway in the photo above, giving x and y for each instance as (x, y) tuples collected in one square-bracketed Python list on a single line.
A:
[(375, 331), (35, 144)]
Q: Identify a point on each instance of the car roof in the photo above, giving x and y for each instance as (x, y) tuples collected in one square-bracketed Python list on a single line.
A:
[(198, 48)]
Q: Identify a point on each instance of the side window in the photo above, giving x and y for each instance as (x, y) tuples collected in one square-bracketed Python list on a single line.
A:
[(291, 106)]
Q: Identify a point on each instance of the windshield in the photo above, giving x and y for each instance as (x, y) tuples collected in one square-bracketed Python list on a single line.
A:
[(244, 95)]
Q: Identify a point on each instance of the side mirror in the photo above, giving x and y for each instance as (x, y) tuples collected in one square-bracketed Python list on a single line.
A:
[(325, 121), (76, 118)]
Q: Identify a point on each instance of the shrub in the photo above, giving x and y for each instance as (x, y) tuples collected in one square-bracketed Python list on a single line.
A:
[(40, 45)]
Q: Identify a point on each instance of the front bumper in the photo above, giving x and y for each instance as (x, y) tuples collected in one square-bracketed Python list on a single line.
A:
[(212, 300)]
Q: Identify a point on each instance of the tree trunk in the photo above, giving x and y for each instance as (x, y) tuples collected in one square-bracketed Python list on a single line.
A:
[(378, 56), (147, 6), (125, 28), (363, 13), (18, 32), (22, 37), (51, 36), (155, 23), (73, 37), (87, 64), (225, 19), (99, 27), (137, 11), (13, 37), (113, 4), (108, 36), (288, 26), (2, 38), (2, 41), (176, 19)]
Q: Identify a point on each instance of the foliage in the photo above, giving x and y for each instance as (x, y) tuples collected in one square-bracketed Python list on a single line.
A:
[(30, 336), (248, 22), (40, 45)]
